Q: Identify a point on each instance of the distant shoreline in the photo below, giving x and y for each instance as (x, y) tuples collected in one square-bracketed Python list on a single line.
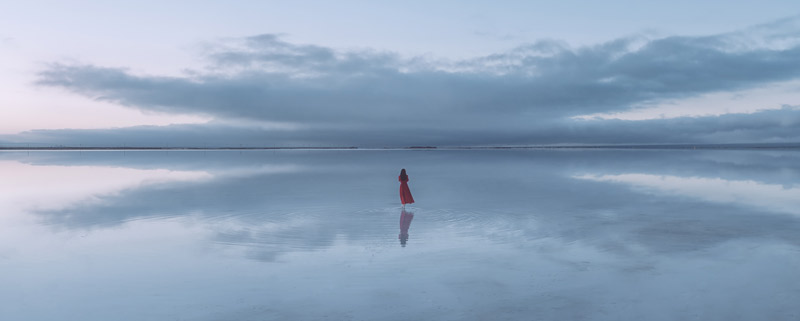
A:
[(164, 148), (640, 146)]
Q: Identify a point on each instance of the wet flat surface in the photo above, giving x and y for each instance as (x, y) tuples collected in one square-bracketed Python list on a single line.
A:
[(316, 235)]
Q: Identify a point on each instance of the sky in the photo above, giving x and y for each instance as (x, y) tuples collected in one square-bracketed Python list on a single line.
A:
[(380, 74)]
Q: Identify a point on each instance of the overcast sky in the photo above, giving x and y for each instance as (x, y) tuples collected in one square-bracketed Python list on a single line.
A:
[(359, 73)]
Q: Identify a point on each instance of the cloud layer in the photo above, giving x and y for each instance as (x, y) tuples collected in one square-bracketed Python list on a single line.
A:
[(525, 95), (770, 126)]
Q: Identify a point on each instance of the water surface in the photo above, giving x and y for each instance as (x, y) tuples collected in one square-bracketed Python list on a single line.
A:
[(317, 235)]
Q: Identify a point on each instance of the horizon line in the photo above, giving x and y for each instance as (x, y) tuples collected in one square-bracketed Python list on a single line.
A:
[(466, 147)]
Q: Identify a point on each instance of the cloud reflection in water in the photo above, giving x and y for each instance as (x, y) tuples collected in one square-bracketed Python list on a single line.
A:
[(604, 235), (277, 203), (759, 196)]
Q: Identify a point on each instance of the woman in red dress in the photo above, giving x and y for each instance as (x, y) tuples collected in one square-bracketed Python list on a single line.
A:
[(405, 193)]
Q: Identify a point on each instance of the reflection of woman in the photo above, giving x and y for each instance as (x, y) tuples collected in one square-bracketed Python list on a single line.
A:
[(405, 193), (405, 223)]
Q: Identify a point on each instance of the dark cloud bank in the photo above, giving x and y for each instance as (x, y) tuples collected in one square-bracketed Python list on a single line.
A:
[(523, 96), (773, 126)]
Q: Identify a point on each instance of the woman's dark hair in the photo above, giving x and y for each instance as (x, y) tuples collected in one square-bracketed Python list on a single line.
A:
[(403, 175)]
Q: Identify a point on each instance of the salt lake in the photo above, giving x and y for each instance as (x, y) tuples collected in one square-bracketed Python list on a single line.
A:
[(575, 234)]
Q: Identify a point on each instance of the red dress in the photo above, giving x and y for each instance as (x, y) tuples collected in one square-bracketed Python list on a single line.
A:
[(405, 193)]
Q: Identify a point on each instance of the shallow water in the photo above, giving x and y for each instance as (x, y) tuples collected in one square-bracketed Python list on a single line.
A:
[(310, 235)]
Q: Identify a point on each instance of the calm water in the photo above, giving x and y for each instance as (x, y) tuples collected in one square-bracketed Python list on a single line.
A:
[(316, 235)]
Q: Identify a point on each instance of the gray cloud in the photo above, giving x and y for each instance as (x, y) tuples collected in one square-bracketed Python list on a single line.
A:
[(453, 185), (769, 126), (524, 95)]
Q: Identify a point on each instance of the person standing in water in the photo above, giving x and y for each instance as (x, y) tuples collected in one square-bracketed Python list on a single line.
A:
[(405, 193)]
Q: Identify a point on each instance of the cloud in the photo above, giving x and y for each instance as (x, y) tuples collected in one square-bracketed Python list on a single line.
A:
[(524, 95), (768, 126), (776, 197), (259, 208)]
